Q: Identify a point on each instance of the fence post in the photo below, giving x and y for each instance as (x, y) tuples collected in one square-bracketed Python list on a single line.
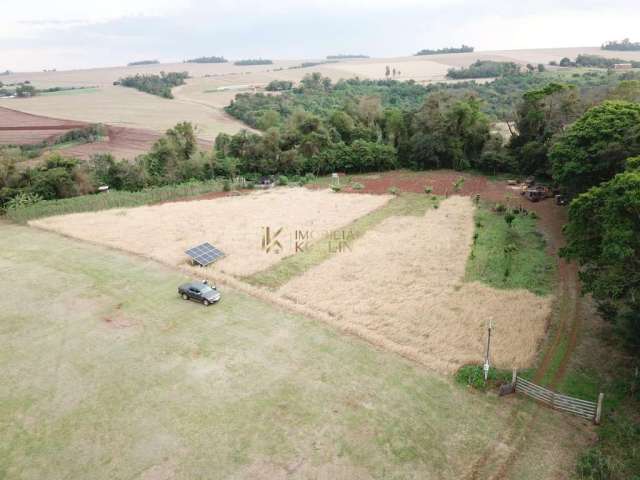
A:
[(514, 376), (599, 409)]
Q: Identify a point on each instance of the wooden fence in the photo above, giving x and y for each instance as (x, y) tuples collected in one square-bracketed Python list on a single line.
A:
[(583, 408)]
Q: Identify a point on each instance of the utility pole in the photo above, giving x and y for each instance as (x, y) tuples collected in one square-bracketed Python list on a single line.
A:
[(486, 356)]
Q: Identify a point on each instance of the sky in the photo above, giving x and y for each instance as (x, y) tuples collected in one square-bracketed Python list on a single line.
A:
[(69, 34)]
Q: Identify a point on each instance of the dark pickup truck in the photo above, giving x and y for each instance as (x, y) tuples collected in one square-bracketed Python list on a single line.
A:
[(199, 291)]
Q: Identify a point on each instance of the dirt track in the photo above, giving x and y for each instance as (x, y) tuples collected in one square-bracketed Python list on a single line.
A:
[(501, 459)]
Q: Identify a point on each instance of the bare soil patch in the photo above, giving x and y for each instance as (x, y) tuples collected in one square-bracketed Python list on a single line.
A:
[(18, 128), (440, 181), (121, 142), (235, 224), (402, 283)]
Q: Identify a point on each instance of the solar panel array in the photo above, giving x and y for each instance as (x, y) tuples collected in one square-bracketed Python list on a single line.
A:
[(204, 254)]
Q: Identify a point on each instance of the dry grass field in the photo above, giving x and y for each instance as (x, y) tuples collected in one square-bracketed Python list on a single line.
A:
[(403, 283), (233, 224), (126, 107)]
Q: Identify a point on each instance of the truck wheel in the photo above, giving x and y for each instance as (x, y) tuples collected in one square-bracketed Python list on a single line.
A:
[(185, 296), (205, 303)]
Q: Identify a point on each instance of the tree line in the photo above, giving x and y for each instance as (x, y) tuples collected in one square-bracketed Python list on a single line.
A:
[(253, 61), (484, 69), (461, 49), (345, 56), (159, 85), (624, 46), (595, 61), (143, 62), (212, 59)]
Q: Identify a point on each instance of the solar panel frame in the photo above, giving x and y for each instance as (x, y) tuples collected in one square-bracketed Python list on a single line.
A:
[(204, 254)]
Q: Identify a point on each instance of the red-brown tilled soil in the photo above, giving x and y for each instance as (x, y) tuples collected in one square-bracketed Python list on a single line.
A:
[(19, 128)]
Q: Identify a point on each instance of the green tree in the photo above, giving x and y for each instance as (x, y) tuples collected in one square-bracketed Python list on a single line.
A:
[(628, 90), (448, 133), (595, 147), (603, 236), (542, 114), (269, 119)]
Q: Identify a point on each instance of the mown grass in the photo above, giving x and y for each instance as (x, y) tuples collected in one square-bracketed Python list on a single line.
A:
[(113, 199), (510, 257), (107, 373), (294, 265)]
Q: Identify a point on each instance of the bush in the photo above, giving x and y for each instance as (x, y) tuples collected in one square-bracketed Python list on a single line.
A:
[(593, 465), (500, 208), (279, 86), (394, 191), (226, 185), (473, 376), (357, 186), (336, 188), (428, 190), (509, 218), (283, 180)]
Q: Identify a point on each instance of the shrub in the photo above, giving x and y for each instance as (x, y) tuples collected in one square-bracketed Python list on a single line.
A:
[(283, 180), (357, 186), (250, 185), (394, 191), (473, 376), (428, 190), (23, 200), (593, 464), (509, 218), (226, 185), (500, 208), (336, 188)]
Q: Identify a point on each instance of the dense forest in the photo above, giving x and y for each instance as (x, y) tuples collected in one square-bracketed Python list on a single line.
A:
[(159, 85), (213, 59), (462, 49), (498, 97), (624, 46)]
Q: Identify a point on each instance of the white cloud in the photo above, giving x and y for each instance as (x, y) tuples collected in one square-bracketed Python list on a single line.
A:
[(34, 33), (26, 18)]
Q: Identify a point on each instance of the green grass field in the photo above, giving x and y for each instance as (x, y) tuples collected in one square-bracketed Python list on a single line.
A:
[(527, 265), (107, 373)]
